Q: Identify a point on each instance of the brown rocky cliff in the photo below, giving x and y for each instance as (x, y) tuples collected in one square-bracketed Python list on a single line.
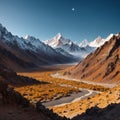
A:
[(102, 65)]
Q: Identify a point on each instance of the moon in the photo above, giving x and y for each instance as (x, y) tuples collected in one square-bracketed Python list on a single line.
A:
[(73, 9)]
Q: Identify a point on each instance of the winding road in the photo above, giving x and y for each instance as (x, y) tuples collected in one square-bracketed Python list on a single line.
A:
[(58, 75), (71, 98), (74, 97)]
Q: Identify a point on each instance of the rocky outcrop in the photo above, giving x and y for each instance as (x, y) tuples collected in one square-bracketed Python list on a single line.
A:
[(111, 112), (9, 96), (9, 76), (49, 113)]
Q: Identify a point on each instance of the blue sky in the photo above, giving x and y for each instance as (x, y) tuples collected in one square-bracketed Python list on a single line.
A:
[(45, 18)]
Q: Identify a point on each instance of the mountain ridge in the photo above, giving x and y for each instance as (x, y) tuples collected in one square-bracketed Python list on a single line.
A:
[(31, 51), (59, 42), (101, 65)]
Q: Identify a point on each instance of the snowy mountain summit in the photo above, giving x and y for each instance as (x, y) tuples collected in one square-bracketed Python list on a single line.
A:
[(53, 51), (28, 37), (58, 41), (34, 41), (97, 42), (84, 43)]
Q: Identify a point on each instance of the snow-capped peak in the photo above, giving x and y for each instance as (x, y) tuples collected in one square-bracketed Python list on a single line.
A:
[(34, 41), (57, 41), (84, 43), (28, 37), (97, 42), (109, 37), (3, 29), (58, 36)]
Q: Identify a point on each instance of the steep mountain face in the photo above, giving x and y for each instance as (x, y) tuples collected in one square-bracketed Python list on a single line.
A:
[(102, 65), (60, 50), (97, 42), (29, 52), (84, 43), (59, 42)]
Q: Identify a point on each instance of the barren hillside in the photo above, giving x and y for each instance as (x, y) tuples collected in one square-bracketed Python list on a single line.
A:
[(101, 66)]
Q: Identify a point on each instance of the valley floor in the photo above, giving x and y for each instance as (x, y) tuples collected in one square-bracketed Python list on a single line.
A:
[(56, 91), (58, 75), (70, 98), (65, 97)]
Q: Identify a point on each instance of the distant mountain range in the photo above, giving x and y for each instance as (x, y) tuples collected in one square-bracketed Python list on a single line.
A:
[(29, 52), (62, 44), (78, 50)]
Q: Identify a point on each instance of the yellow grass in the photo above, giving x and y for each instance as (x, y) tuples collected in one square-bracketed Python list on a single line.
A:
[(53, 89), (44, 92), (46, 77), (101, 100)]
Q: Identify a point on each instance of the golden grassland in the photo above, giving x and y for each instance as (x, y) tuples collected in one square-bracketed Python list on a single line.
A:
[(45, 92), (100, 100), (46, 77), (51, 88)]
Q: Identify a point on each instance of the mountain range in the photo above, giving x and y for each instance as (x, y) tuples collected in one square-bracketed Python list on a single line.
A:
[(28, 52), (100, 66), (22, 53), (60, 43), (80, 50)]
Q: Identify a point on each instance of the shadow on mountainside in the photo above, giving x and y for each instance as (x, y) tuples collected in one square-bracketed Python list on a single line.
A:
[(14, 106), (13, 79), (111, 112)]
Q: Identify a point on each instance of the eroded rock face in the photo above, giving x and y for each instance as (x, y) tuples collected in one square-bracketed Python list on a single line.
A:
[(11, 96), (102, 65), (3, 91), (10, 77), (96, 113), (49, 113), (110, 68)]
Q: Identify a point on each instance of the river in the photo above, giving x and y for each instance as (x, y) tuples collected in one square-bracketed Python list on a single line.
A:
[(71, 98)]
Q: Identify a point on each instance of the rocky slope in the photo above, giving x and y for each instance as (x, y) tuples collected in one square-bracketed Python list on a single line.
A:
[(14, 106), (11, 78), (102, 65)]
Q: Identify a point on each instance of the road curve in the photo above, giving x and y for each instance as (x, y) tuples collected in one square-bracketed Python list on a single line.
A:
[(108, 85), (84, 93), (69, 99)]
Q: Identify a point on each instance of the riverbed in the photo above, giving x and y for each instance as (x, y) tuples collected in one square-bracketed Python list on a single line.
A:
[(71, 98)]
